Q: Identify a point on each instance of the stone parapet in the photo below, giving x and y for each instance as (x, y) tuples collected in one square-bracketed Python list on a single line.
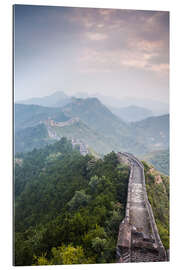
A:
[(145, 241)]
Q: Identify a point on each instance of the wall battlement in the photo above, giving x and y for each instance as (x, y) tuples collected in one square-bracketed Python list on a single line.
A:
[(138, 238)]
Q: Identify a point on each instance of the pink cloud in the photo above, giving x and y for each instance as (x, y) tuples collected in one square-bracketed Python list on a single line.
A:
[(103, 61), (96, 36)]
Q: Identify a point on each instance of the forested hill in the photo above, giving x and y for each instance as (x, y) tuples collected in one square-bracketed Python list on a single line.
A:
[(31, 115), (157, 186), (67, 207), (132, 113), (31, 137), (98, 117), (106, 131), (159, 159), (153, 131), (95, 125), (95, 114)]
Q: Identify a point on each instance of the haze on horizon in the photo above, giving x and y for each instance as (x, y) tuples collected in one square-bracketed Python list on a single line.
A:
[(112, 52)]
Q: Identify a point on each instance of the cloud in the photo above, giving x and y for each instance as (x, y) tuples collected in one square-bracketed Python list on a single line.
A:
[(92, 60), (122, 44), (108, 39), (130, 39), (96, 36)]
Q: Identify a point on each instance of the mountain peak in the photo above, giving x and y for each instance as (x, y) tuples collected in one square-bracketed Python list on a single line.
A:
[(57, 99), (86, 100)]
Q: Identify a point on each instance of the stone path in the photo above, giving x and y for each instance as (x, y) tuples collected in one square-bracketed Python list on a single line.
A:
[(138, 238), (138, 211)]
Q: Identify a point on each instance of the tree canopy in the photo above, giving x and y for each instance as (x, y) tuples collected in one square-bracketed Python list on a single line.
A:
[(68, 207)]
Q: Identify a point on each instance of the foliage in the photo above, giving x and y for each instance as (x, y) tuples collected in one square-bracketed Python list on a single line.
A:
[(67, 208), (79, 199), (158, 194), (42, 260), (64, 255)]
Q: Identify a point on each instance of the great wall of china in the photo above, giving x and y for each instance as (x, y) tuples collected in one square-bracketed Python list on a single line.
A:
[(138, 238), (50, 124)]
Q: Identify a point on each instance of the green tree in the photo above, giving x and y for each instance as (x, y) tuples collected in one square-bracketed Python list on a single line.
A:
[(64, 255), (80, 198)]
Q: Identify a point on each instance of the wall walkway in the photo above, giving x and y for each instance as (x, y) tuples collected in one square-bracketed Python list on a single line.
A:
[(138, 239)]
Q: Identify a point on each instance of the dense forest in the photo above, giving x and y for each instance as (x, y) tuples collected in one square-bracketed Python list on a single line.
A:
[(67, 207)]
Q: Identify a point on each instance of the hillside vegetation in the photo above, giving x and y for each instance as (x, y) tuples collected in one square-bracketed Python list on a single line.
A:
[(31, 115), (159, 159), (157, 186), (98, 127), (80, 130), (153, 132), (98, 117), (67, 207), (31, 137)]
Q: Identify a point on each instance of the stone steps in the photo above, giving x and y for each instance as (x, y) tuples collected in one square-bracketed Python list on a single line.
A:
[(139, 255), (125, 257)]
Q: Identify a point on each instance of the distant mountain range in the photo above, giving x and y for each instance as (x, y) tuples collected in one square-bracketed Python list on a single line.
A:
[(132, 113), (57, 99), (156, 107), (128, 109), (153, 132), (95, 124)]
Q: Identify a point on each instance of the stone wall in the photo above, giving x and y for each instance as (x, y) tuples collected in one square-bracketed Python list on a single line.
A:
[(132, 244)]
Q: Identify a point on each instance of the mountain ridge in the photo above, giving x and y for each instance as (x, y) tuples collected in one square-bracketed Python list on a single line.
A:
[(30, 115), (60, 99), (159, 159), (103, 126), (132, 113), (57, 99), (153, 131)]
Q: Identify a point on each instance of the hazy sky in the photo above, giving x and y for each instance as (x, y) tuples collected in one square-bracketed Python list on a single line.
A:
[(112, 52)]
